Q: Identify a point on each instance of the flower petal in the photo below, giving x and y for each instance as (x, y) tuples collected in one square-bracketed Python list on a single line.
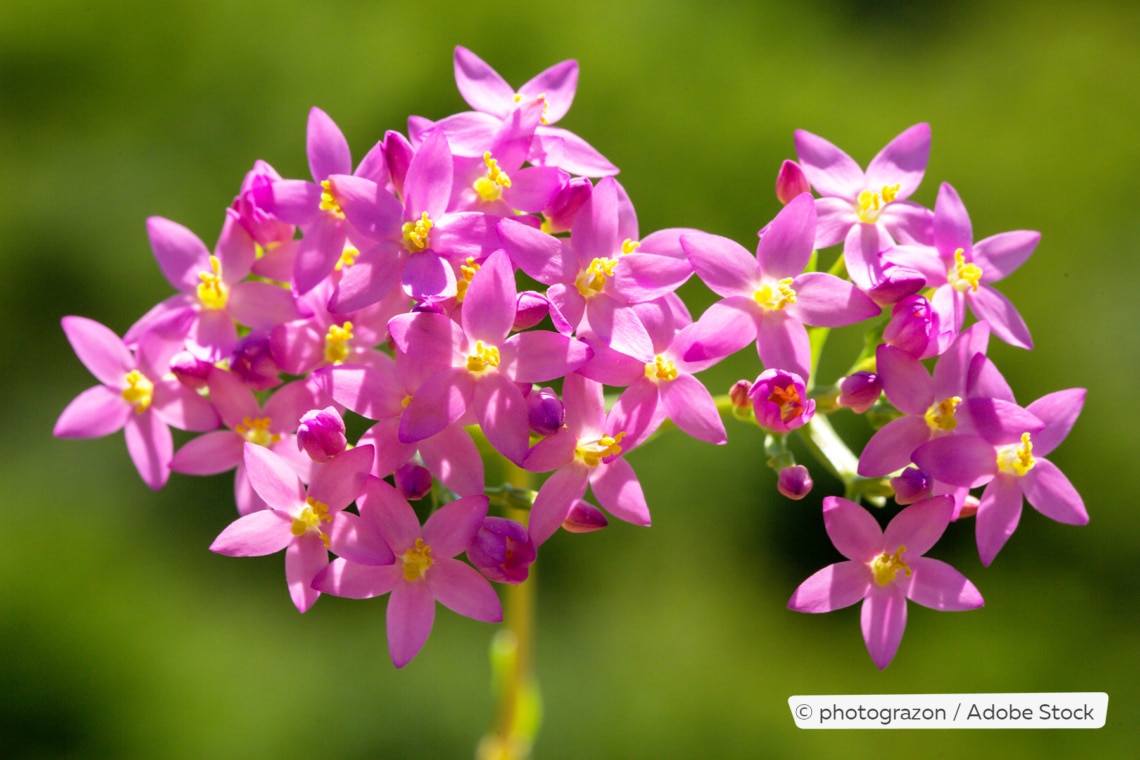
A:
[(852, 529), (832, 588), (883, 619), (999, 511), (411, 612), (1051, 494), (461, 589), (937, 585)]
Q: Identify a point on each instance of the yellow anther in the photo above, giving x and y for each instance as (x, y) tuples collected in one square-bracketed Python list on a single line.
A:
[(940, 416), (483, 358), (591, 282), (774, 297), (336, 343), (789, 401), (416, 561), (964, 276), (347, 258), (591, 453), (416, 233), (328, 200), (490, 186), (139, 391), (405, 401), (629, 245), (310, 519), (1016, 459), (211, 292), (466, 272), (871, 203), (256, 431), (660, 369), (886, 566)]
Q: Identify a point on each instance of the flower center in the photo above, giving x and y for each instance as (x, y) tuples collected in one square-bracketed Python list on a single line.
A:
[(490, 185), (871, 203), (139, 391), (328, 200), (483, 358), (416, 233), (789, 401), (256, 431), (886, 566), (1016, 459), (466, 272), (211, 291), (591, 282), (416, 560), (660, 369), (775, 296), (591, 453), (310, 519), (940, 416), (336, 343), (964, 276)]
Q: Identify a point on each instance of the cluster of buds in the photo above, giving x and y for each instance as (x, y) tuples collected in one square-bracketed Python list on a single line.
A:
[(393, 292)]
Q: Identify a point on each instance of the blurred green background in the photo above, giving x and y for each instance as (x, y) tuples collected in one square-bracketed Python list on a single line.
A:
[(121, 635)]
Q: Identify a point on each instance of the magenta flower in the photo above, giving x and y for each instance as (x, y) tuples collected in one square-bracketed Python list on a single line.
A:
[(1012, 467), (138, 394), (502, 550), (877, 573), (298, 520), (769, 298), (424, 570), (780, 401)]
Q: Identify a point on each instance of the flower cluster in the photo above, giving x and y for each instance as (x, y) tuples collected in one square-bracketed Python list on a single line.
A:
[(471, 288)]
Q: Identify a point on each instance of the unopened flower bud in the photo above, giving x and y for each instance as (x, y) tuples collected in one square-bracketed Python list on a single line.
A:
[(546, 412), (859, 391), (252, 362), (584, 518), (559, 215), (190, 370), (791, 182), (321, 434), (530, 309), (794, 482), (738, 394), (895, 284), (429, 305), (413, 481), (914, 326), (910, 485), (780, 401), (502, 550)]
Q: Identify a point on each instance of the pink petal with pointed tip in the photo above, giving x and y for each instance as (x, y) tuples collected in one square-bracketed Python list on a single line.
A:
[(326, 147), (618, 490), (554, 500), (439, 402), (453, 459), (824, 300), (902, 162), (999, 255), (905, 380), (390, 513), (783, 343), (1059, 412), (411, 612), (692, 407), (359, 541), (999, 511), (892, 446), (1050, 493), (339, 482), (209, 454), (255, 535), (554, 146), (304, 559), (480, 85), (558, 83), (724, 265), (1005, 322), (101, 350), (180, 253), (95, 412), (502, 412), (489, 304), (853, 531), (883, 619), (835, 217), (960, 460), (919, 526), (786, 246), (353, 581), (726, 327), (150, 445), (428, 184), (463, 590), (273, 479), (832, 588), (952, 229), (830, 170), (939, 586)]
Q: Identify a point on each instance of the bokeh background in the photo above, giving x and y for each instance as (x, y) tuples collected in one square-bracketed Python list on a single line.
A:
[(121, 635)]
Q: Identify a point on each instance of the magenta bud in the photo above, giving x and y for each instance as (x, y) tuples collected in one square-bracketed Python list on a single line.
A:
[(738, 394), (398, 153), (914, 326), (859, 391), (780, 401), (262, 226), (252, 362), (791, 182), (502, 550), (910, 485), (897, 282), (530, 309), (190, 370), (545, 410), (559, 215), (413, 481), (794, 482), (321, 434), (584, 518)]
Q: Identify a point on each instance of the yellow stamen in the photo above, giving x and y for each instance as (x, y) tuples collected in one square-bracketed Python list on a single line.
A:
[(629, 245), (964, 276), (328, 200), (483, 358), (139, 391), (347, 258), (591, 453), (886, 566), (490, 185), (416, 561), (1017, 459), (466, 272), (871, 203), (775, 297), (591, 282), (211, 292), (336, 343), (940, 416), (789, 401), (256, 431), (416, 233), (660, 369), (310, 519)]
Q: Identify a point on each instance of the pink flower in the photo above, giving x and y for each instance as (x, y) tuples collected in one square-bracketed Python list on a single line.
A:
[(424, 570), (878, 574)]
